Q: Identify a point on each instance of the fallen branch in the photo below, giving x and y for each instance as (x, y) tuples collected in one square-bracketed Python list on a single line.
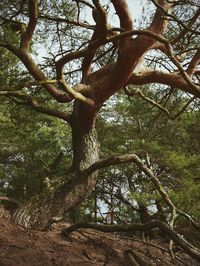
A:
[(164, 228)]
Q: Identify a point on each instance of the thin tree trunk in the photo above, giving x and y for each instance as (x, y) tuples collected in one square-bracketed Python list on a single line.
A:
[(74, 188)]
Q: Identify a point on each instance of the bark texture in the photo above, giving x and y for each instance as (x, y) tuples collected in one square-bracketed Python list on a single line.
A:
[(73, 188)]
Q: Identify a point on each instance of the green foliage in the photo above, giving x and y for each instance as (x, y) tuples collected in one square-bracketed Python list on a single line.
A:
[(9, 69), (186, 196), (172, 145), (28, 140)]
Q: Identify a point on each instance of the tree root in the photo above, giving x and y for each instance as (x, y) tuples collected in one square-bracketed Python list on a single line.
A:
[(15, 202), (189, 218), (164, 228), (137, 257)]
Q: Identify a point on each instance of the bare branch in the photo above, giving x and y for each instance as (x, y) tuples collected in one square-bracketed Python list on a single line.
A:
[(189, 218), (67, 58), (76, 94), (99, 35), (85, 3), (60, 96), (126, 24), (131, 51)]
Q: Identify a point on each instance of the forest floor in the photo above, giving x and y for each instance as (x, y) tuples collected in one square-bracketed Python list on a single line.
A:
[(24, 247)]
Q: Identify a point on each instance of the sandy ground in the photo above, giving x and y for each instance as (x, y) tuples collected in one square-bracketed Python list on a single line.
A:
[(23, 247)]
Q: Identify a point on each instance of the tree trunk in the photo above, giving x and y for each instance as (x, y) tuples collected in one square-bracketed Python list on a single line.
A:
[(74, 188)]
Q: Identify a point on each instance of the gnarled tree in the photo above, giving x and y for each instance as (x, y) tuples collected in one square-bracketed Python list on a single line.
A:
[(127, 49)]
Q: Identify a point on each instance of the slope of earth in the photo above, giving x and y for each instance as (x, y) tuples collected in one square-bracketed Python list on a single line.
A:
[(24, 247)]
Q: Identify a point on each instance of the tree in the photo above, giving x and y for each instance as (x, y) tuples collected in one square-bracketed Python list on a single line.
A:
[(109, 59)]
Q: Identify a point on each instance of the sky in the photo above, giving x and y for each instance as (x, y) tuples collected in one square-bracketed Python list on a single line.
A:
[(136, 7)]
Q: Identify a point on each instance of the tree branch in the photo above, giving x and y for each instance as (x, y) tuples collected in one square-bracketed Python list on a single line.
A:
[(169, 232), (189, 218), (66, 20), (28, 84), (31, 102), (154, 76), (99, 35), (139, 93), (193, 63), (33, 16), (34, 70), (175, 18), (131, 158), (185, 30)]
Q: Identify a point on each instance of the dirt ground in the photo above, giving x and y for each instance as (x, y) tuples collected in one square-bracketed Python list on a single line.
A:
[(23, 247)]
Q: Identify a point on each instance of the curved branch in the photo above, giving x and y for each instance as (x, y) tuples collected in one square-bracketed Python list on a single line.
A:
[(154, 76), (130, 53), (75, 92), (189, 218), (169, 232), (34, 70), (131, 158), (123, 13), (99, 35), (68, 93), (85, 3), (33, 16), (28, 84)]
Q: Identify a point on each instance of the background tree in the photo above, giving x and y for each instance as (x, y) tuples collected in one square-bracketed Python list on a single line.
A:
[(83, 67)]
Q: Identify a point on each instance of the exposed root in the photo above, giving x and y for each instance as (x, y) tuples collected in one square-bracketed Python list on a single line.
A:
[(164, 228)]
